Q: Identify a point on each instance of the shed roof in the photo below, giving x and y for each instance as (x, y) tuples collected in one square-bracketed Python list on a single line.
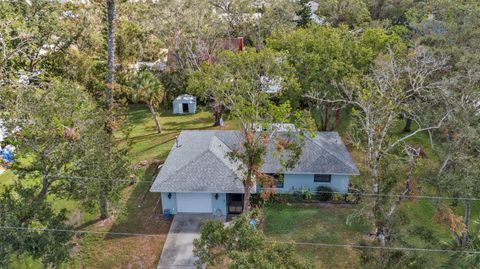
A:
[(199, 161), (186, 97)]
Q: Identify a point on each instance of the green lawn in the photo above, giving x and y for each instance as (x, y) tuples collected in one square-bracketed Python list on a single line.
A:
[(138, 211), (316, 224), (147, 144), (327, 224)]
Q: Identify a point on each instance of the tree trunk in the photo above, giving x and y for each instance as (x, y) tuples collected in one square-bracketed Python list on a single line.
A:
[(408, 125), (466, 222), (377, 7), (104, 207), (247, 187), (110, 52), (246, 200), (218, 119), (155, 118), (43, 192), (325, 119), (217, 112), (109, 89)]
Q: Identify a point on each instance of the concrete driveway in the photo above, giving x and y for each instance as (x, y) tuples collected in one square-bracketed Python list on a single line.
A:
[(178, 249)]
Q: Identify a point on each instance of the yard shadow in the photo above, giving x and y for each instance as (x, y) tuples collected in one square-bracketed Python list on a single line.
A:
[(142, 210)]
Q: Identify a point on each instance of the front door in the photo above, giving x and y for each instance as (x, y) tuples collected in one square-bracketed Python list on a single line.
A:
[(235, 203), (185, 108)]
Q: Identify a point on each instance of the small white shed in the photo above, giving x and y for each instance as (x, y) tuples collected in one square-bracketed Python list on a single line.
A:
[(185, 104)]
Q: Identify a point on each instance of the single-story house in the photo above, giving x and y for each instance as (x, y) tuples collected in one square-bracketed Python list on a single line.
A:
[(185, 104), (199, 176)]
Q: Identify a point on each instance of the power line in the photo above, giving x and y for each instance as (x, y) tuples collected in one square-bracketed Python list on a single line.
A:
[(376, 247), (133, 180), (389, 195), (75, 231), (269, 241)]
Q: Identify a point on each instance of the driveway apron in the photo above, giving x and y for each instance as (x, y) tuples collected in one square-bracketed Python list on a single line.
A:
[(178, 249)]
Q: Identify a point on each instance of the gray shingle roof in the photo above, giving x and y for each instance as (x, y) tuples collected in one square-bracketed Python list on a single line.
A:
[(323, 153), (200, 163)]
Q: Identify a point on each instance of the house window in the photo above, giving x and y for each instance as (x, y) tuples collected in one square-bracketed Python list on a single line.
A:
[(278, 180), (323, 178)]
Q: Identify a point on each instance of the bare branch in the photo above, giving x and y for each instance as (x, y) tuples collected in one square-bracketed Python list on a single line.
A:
[(440, 123)]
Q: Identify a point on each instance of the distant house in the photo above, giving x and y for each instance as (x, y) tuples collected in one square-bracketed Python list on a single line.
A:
[(158, 65), (185, 104), (199, 177)]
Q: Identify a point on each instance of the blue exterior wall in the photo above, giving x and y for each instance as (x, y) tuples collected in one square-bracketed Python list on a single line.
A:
[(192, 106), (294, 182), (170, 204), (220, 204)]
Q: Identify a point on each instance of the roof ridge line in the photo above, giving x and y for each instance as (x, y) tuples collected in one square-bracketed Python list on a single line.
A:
[(223, 159)]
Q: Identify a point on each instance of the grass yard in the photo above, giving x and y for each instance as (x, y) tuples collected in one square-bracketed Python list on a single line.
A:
[(138, 211), (147, 144), (327, 224), (324, 223)]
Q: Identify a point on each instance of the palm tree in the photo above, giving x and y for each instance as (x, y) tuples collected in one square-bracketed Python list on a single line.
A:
[(110, 52), (149, 89), (110, 81)]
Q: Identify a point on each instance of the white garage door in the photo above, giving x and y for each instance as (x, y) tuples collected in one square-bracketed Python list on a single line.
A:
[(194, 202)]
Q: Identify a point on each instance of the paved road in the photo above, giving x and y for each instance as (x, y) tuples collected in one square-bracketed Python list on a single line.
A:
[(178, 249)]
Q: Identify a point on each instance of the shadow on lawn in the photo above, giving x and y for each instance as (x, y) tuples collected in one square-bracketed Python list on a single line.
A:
[(142, 210), (140, 213), (180, 125)]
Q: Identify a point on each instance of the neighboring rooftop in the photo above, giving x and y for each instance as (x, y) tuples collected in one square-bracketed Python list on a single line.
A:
[(199, 161)]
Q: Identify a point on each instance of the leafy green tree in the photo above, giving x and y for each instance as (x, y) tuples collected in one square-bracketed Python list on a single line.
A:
[(350, 12), (377, 99), (255, 21), (149, 89), (32, 35), (304, 13), (392, 10), (324, 56), (60, 128), (208, 83), (241, 82), (242, 246), (17, 210)]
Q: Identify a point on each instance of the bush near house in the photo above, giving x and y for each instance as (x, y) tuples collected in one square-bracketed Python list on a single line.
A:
[(324, 193)]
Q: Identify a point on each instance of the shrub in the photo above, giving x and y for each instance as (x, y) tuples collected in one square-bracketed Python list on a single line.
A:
[(305, 193), (324, 193)]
